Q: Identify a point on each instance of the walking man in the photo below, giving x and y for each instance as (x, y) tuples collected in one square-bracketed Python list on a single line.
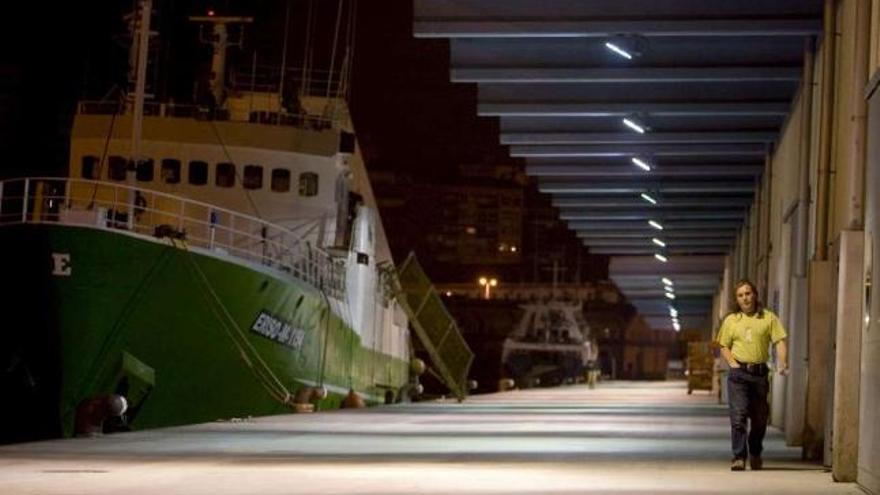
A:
[(745, 337)]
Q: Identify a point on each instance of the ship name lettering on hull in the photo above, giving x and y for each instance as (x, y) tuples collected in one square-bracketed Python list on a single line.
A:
[(278, 330), (61, 265)]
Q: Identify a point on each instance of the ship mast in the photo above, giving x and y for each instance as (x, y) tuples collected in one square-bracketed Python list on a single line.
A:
[(138, 57), (142, 42)]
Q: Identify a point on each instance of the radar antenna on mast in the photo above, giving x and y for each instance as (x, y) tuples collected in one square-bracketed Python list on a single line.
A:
[(219, 40)]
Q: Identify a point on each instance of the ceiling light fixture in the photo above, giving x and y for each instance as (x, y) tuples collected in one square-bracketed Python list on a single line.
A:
[(667, 281), (661, 257), (618, 50), (673, 312), (654, 224), (649, 199), (670, 295), (658, 242), (641, 164), (676, 326), (632, 124)]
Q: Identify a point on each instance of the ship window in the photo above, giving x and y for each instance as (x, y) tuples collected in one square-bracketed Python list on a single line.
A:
[(253, 177), (171, 171), (117, 168), (144, 170), (90, 167), (308, 184), (225, 175), (198, 173), (280, 180)]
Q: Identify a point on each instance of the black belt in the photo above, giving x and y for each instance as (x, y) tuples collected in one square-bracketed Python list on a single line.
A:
[(754, 368)]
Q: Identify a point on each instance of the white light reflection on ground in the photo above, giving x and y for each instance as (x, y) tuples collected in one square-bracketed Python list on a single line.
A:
[(619, 438)]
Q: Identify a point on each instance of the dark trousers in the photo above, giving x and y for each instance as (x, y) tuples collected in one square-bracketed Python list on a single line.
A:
[(748, 403)]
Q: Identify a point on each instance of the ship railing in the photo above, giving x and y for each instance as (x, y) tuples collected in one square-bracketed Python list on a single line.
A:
[(301, 119), (145, 212), (267, 79)]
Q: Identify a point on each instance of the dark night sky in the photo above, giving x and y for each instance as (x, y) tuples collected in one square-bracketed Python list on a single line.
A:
[(401, 88), (408, 115)]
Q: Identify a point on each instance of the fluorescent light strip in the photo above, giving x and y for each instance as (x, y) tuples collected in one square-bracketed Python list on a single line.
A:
[(677, 327), (661, 257), (670, 295), (658, 242), (641, 164), (649, 199), (618, 50), (666, 281), (634, 126), (654, 224)]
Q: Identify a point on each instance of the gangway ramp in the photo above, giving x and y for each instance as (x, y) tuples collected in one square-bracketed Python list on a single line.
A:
[(436, 329)]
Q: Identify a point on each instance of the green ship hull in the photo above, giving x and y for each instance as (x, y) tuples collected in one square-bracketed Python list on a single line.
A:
[(187, 335)]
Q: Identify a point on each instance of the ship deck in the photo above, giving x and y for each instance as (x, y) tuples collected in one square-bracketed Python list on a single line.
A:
[(622, 437)]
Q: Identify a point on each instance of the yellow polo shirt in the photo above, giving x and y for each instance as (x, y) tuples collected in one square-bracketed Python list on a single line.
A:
[(749, 337)]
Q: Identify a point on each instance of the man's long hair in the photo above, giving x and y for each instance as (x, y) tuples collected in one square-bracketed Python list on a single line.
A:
[(735, 309)]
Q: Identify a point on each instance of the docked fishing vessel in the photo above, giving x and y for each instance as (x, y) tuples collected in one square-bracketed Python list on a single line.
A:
[(551, 345), (201, 261)]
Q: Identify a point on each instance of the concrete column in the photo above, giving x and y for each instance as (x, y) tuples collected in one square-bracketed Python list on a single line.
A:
[(728, 285), (777, 400), (752, 244), (818, 345), (869, 397), (845, 426), (796, 381), (820, 279), (743, 271), (759, 260), (781, 284), (736, 258), (713, 317), (854, 26), (766, 244), (725, 288)]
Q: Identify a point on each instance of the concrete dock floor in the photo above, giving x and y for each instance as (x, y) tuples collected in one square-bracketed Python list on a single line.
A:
[(620, 438)]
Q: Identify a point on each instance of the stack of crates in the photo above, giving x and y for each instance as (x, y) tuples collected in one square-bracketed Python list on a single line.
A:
[(700, 366)]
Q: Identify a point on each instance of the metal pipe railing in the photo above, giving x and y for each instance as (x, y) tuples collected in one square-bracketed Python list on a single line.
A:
[(96, 204), (299, 119)]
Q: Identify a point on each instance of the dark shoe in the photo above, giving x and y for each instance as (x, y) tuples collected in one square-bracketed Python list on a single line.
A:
[(738, 465), (756, 463)]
